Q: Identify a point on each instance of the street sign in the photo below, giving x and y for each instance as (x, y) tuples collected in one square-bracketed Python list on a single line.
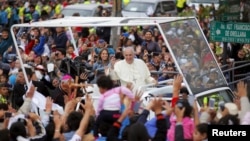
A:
[(230, 17), (230, 32), (230, 10)]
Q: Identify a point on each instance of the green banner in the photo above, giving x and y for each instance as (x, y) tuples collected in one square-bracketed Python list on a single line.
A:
[(229, 10)]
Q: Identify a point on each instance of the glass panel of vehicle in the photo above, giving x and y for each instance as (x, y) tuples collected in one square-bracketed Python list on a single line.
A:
[(138, 6), (82, 12), (168, 6), (193, 55)]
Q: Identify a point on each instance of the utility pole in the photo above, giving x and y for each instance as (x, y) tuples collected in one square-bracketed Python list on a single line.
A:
[(117, 8), (116, 12)]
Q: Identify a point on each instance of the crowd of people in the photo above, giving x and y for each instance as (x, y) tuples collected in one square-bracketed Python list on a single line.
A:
[(61, 74)]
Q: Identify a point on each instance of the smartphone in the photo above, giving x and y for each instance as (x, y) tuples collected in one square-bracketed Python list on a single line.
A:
[(180, 105), (8, 114), (221, 105), (211, 103), (78, 106)]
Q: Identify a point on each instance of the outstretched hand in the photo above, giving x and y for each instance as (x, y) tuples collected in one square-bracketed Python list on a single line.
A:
[(241, 89)]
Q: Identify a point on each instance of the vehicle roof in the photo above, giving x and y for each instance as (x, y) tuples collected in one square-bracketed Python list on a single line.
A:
[(149, 1), (86, 6), (101, 21)]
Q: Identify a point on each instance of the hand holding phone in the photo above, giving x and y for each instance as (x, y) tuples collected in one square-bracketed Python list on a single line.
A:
[(221, 105), (78, 106), (211, 103), (8, 115)]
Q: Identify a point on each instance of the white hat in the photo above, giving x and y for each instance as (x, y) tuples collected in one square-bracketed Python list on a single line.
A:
[(204, 117), (131, 37), (21, 47), (232, 108)]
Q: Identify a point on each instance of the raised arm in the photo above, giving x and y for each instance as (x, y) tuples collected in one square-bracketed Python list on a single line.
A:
[(176, 88)]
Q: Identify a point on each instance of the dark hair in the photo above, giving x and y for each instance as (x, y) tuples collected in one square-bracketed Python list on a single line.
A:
[(229, 120), (188, 107), (202, 128), (105, 82), (63, 51), (4, 106), (50, 130), (70, 46), (99, 55), (150, 31), (138, 132), (73, 120), (28, 71), (5, 134), (119, 56), (5, 30), (76, 14), (32, 6), (184, 90), (17, 129)]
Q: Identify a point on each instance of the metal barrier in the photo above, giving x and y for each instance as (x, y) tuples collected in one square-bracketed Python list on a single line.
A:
[(231, 73)]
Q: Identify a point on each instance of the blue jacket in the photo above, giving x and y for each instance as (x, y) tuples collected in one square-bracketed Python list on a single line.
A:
[(5, 44), (39, 49), (3, 17), (60, 40)]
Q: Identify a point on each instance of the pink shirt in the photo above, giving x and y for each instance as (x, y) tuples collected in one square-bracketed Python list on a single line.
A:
[(111, 100), (188, 128)]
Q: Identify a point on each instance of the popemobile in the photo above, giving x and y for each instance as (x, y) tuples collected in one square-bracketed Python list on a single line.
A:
[(195, 62)]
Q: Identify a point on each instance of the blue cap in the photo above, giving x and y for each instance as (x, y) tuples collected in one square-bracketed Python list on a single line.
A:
[(101, 41), (125, 34)]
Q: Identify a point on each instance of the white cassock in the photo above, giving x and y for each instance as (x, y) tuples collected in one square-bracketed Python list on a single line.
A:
[(136, 73)]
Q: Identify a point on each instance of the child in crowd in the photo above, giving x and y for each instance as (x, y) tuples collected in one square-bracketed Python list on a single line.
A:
[(109, 105), (4, 92), (71, 52)]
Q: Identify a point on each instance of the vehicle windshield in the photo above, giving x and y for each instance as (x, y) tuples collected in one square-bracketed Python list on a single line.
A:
[(224, 95), (193, 55), (204, 1), (82, 12), (139, 7)]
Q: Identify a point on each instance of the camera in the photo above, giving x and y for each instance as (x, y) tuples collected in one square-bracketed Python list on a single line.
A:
[(22, 121), (221, 105), (32, 36), (180, 105), (8, 114), (76, 67)]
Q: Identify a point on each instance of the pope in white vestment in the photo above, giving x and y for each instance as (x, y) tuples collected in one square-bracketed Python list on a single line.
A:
[(132, 71)]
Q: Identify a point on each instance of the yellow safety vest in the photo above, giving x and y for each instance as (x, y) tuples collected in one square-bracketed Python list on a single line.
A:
[(215, 96), (8, 11), (58, 9), (86, 2), (180, 3), (38, 9), (125, 2), (21, 11), (3, 100), (47, 9), (92, 30)]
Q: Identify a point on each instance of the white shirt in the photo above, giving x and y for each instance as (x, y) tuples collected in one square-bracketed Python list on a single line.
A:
[(76, 138), (136, 73)]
